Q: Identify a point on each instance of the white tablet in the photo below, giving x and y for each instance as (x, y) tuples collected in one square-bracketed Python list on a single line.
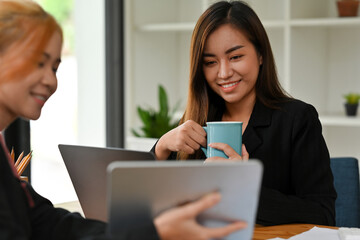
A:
[(138, 192)]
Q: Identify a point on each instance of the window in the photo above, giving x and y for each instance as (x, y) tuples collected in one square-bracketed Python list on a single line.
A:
[(75, 114)]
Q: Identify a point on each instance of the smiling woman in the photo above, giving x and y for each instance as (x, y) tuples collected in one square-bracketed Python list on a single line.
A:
[(231, 68), (30, 49), (28, 79), (27, 70), (233, 78), (27, 92)]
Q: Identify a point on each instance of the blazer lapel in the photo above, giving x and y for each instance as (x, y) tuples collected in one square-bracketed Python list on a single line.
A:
[(260, 117)]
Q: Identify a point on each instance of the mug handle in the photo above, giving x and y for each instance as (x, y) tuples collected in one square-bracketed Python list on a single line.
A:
[(204, 149)]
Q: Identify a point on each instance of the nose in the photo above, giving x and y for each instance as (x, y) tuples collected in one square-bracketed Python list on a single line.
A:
[(50, 80), (225, 70)]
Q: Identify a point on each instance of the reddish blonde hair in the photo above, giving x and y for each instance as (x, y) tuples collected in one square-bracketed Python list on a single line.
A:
[(25, 29)]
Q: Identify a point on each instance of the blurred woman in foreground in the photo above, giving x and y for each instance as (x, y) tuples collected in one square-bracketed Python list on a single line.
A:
[(30, 48)]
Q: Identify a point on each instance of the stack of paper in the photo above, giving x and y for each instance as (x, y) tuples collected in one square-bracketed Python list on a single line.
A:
[(316, 233)]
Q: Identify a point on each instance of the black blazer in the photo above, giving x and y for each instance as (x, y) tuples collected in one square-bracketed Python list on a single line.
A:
[(44, 222), (297, 184)]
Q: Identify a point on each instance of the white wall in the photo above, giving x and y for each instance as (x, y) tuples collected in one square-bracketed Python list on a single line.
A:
[(90, 54), (76, 112)]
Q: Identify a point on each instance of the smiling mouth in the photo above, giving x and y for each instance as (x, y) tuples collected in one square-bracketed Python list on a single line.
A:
[(40, 99), (229, 86)]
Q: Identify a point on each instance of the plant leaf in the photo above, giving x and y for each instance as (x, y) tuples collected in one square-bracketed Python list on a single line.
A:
[(157, 123), (163, 101), (136, 134), (352, 98), (145, 116)]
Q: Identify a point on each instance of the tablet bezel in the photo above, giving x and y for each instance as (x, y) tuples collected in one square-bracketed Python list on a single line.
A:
[(137, 192)]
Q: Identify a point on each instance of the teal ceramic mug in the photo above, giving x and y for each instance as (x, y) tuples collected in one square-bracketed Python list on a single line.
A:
[(223, 132)]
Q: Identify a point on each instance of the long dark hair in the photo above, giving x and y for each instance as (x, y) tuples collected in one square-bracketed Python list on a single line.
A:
[(203, 103)]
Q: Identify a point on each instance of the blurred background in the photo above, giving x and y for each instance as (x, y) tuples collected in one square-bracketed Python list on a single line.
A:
[(317, 54)]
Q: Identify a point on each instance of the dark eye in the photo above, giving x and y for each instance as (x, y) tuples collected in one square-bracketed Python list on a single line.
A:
[(41, 64), (236, 57), (208, 63), (55, 67)]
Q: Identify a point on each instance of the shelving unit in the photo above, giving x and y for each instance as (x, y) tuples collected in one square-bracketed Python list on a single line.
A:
[(317, 56)]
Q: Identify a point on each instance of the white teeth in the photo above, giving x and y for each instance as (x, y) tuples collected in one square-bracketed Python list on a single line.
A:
[(229, 85), (41, 97)]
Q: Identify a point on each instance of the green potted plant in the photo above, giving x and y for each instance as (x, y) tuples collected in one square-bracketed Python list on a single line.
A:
[(352, 103), (155, 123), (347, 8)]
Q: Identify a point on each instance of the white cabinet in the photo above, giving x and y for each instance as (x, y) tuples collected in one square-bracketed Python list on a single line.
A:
[(317, 55)]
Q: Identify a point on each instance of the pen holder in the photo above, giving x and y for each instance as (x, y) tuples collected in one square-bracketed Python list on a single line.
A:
[(24, 178)]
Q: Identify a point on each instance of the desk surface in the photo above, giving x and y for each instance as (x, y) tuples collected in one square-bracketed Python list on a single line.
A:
[(283, 231)]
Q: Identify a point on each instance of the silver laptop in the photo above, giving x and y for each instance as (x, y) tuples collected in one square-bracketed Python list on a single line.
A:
[(87, 169), (139, 192)]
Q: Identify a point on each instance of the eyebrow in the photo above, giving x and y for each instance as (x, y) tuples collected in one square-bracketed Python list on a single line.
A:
[(58, 60), (226, 52)]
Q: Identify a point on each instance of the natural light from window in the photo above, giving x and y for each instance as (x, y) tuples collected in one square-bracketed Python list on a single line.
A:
[(58, 121)]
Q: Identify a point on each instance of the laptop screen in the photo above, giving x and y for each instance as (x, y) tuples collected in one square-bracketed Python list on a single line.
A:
[(87, 169)]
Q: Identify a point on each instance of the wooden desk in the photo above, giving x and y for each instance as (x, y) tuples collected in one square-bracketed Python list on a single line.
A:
[(283, 231)]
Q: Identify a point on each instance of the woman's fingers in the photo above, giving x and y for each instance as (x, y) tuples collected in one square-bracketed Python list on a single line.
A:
[(196, 132), (180, 222), (190, 134), (226, 230), (195, 208), (229, 151), (215, 159), (245, 154)]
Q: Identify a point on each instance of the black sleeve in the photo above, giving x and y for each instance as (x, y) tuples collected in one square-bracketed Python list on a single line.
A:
[(153, 148), (311, 178), (73, 226), (61, 224), (172, 155)]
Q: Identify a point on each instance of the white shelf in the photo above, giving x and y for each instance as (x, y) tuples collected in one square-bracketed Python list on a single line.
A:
[(340, 121), (166, 27), (313, 22), (317, 56), (316, 22), (325, 22), (189, 26)]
